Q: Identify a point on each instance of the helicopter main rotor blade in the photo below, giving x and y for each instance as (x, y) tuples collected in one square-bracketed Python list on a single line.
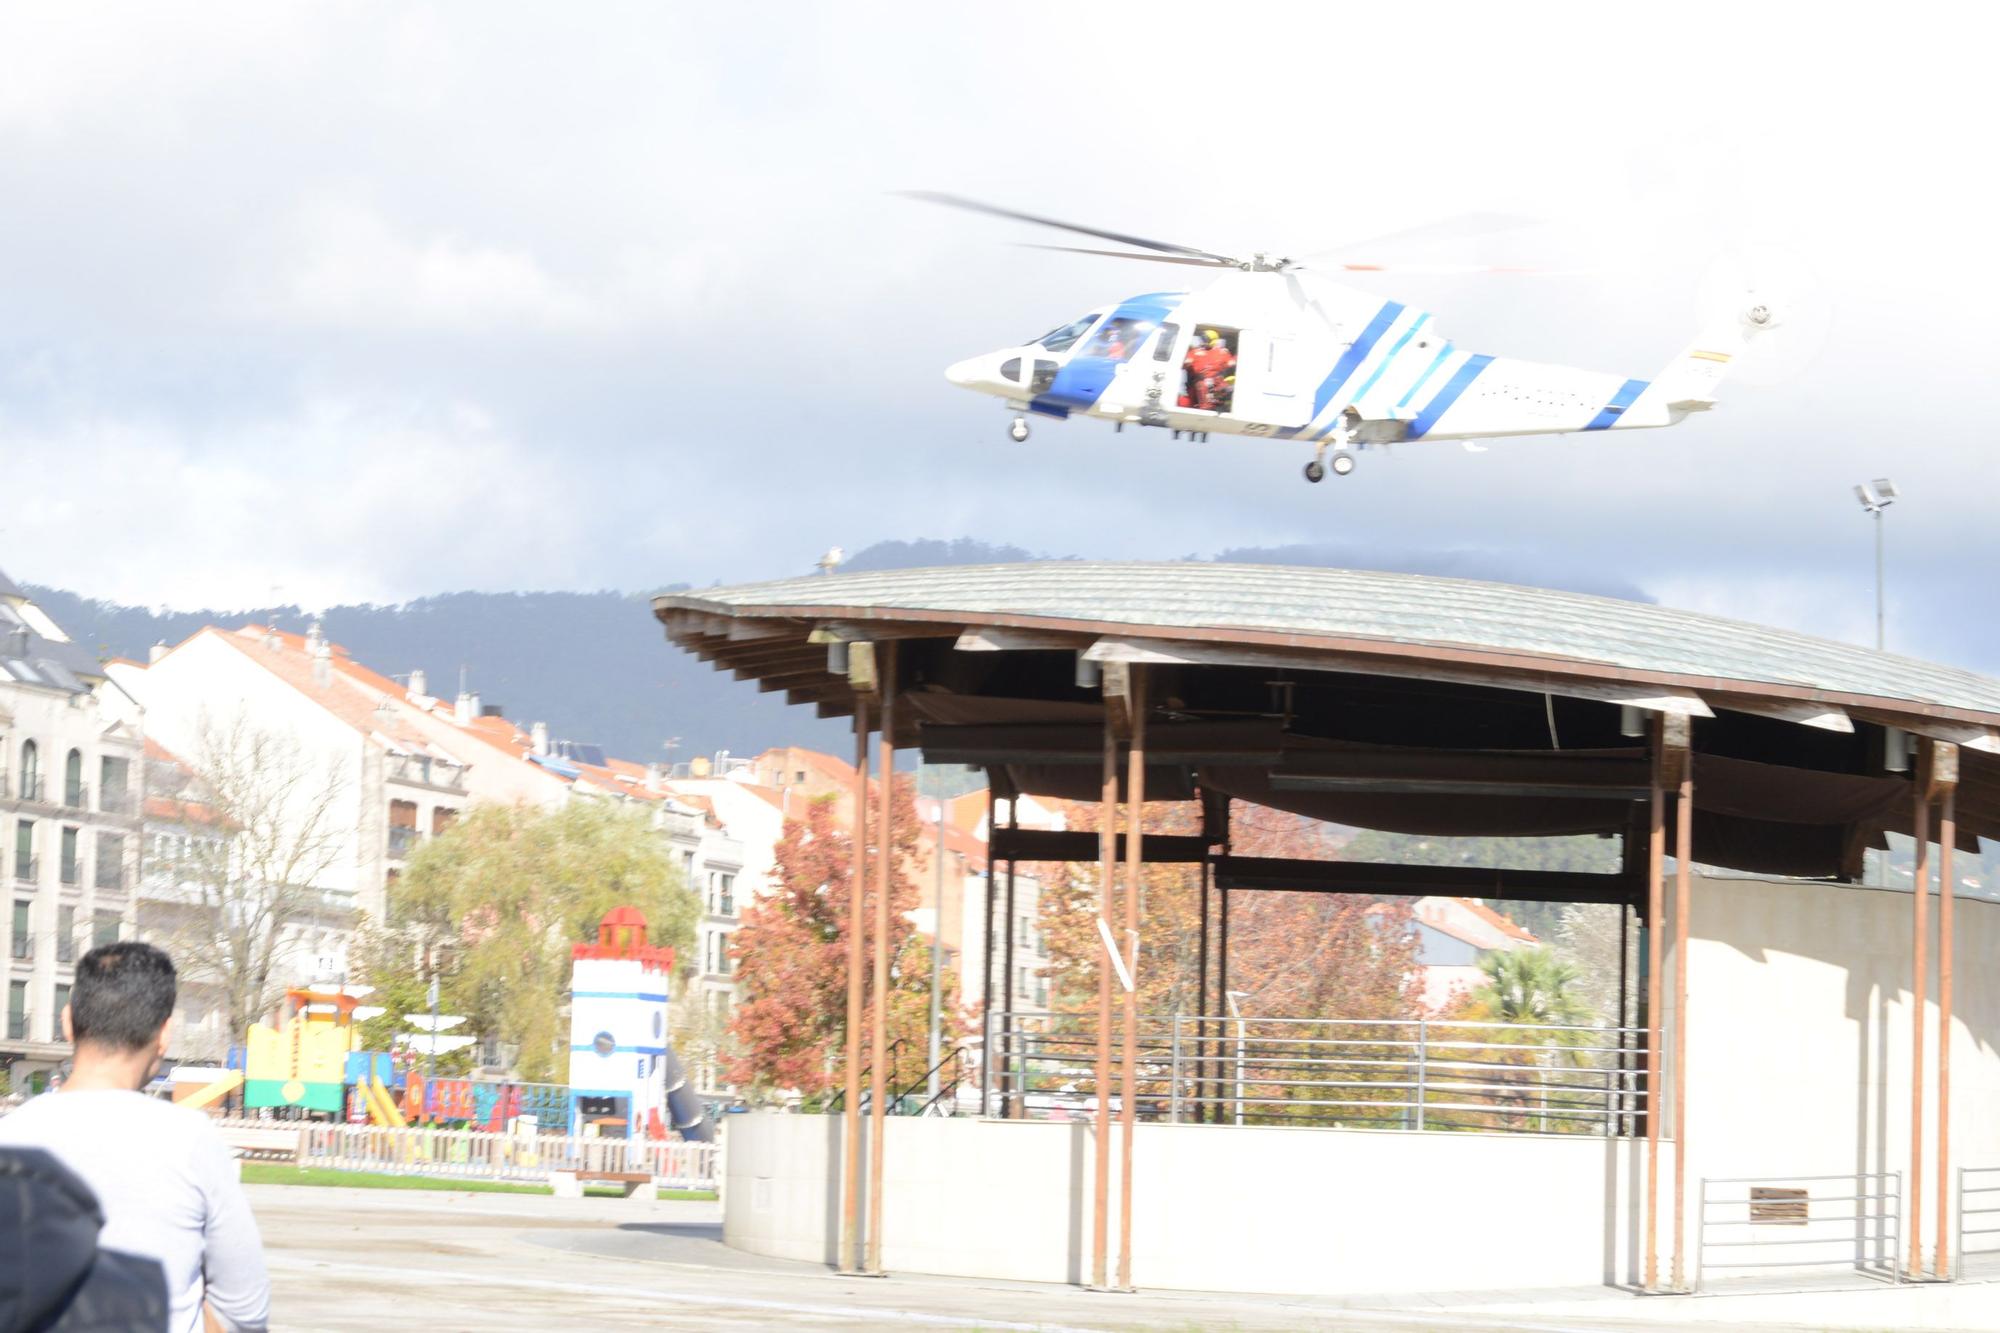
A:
[(1137, 242), (1435, 269), (1127, 254)]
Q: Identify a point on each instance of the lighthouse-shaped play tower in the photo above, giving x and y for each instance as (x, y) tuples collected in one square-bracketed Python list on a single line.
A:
[(618, 1062)]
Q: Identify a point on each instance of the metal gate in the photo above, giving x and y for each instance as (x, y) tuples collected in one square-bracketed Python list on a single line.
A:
[(1787, 1223)]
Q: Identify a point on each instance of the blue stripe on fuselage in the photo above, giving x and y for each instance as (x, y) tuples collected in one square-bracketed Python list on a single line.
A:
[(1614, 409), (1408, 334), (1350, 360), (1448, 395), (1424, 378), (1082, 380)]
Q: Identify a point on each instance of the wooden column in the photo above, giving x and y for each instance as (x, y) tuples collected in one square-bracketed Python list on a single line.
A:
[(857, 893), (884, 867), (1656, 852), (1135, 804), (1920, 894), (1107, 870), (1944, 786), (1683, 907)]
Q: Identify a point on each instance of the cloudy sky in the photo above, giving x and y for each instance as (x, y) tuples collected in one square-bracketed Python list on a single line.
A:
[(370, 301)]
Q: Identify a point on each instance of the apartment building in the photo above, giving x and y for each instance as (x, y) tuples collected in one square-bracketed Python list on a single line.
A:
[(70, 753)]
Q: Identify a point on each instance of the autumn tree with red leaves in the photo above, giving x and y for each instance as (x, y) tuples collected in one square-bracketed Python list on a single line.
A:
[(791, 954), (1294, 955)]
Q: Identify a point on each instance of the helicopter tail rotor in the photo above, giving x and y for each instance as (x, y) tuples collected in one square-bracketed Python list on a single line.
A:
[(1778, 305)]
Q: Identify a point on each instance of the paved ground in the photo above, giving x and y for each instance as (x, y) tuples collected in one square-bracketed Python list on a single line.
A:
[(370, 1259)]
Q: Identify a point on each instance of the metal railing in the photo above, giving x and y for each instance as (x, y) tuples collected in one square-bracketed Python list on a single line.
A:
[(29, 788), (76, 796), (481, 1155), (1978, 1215), (1791, 1222), (425, 769), (1420, 1074), (28, 869)]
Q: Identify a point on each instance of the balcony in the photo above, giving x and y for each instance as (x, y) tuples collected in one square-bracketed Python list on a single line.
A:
[(28, 869), (723, 852), (401, 840), (76, 796), (29, 788), (422, 768)]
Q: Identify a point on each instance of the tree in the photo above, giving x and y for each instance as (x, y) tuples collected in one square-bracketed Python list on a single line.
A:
[(1292, 955), (497, 900), (234, 883), (790, 1031), (1529, 986)]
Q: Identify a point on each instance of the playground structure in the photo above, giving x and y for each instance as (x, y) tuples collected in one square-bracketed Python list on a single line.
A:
[(625, 1081)]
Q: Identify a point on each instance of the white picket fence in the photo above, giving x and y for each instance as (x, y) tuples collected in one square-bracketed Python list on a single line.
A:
[(460, 1154)]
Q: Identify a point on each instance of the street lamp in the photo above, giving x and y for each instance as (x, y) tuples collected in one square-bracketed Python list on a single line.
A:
[(1875, 496)]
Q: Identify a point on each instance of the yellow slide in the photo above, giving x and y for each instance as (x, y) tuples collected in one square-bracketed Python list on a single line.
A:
[(381, 1106), (216, 1091)]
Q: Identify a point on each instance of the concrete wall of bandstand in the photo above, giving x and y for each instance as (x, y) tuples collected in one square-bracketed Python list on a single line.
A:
[(1799, 1051)]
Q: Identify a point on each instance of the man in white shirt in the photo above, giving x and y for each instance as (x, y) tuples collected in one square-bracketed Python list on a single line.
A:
[(160, 1171)]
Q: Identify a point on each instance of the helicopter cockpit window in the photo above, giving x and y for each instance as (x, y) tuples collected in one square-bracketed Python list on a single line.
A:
[(1169, 335), (1118, 339), (1064, 338)]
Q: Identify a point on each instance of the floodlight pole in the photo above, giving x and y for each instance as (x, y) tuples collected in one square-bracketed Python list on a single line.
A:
[(1879, 636)]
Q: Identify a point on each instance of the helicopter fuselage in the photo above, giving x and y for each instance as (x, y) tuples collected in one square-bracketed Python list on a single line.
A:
[(1292, 356)]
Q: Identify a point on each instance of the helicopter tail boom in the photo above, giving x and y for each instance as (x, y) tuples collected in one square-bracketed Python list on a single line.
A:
[(1689, 382)]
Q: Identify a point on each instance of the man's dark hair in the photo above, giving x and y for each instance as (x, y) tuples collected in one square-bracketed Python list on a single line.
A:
[(123, 996)]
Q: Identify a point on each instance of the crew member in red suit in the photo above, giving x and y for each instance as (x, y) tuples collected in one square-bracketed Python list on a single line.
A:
[(1209, 366)]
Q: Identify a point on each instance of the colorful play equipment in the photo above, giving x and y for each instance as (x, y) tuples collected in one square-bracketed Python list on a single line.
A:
[(302, 1062), (618, 1030), (624, 1080)]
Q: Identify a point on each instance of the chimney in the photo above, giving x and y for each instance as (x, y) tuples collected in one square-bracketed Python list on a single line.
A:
[(418, 684), (540, 733), (158, 651), (467, 709)]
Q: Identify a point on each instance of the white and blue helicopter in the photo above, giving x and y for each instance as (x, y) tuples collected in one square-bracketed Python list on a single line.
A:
[(1275, 349)]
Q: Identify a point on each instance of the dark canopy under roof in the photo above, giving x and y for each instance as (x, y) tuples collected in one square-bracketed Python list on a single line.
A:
[(1388, 701)]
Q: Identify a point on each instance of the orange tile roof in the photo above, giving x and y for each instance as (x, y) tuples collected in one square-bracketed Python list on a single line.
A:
[(1506, 925)]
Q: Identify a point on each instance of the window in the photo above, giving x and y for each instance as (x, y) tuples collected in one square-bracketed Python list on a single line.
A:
[(17, 1011), (442, 818), (65, 934), (1118, 339), (73, 780), (24, 852), (722, 952), (105, 931), (403, 833), (56, 1007), (71, 872), (110, 860), (799, 776), (1169, 335), (31, 771), (24, 933), (1064, 338), (726, 902), (114, 785)]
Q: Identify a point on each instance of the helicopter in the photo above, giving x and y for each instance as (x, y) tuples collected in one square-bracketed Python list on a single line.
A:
[(1274, 348)]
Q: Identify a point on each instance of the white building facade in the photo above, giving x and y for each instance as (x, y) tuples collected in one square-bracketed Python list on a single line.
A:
[(70, 787)]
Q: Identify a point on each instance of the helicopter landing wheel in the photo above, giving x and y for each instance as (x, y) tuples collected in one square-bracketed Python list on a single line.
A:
[(1018, 432), (1315, 471), (1343, 464)]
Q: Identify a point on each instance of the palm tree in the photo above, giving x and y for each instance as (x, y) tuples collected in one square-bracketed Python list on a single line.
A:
[(1531, 986), (1535, 988)]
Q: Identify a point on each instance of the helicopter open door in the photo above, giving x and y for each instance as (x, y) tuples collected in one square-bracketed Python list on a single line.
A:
[(1271, 384)]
